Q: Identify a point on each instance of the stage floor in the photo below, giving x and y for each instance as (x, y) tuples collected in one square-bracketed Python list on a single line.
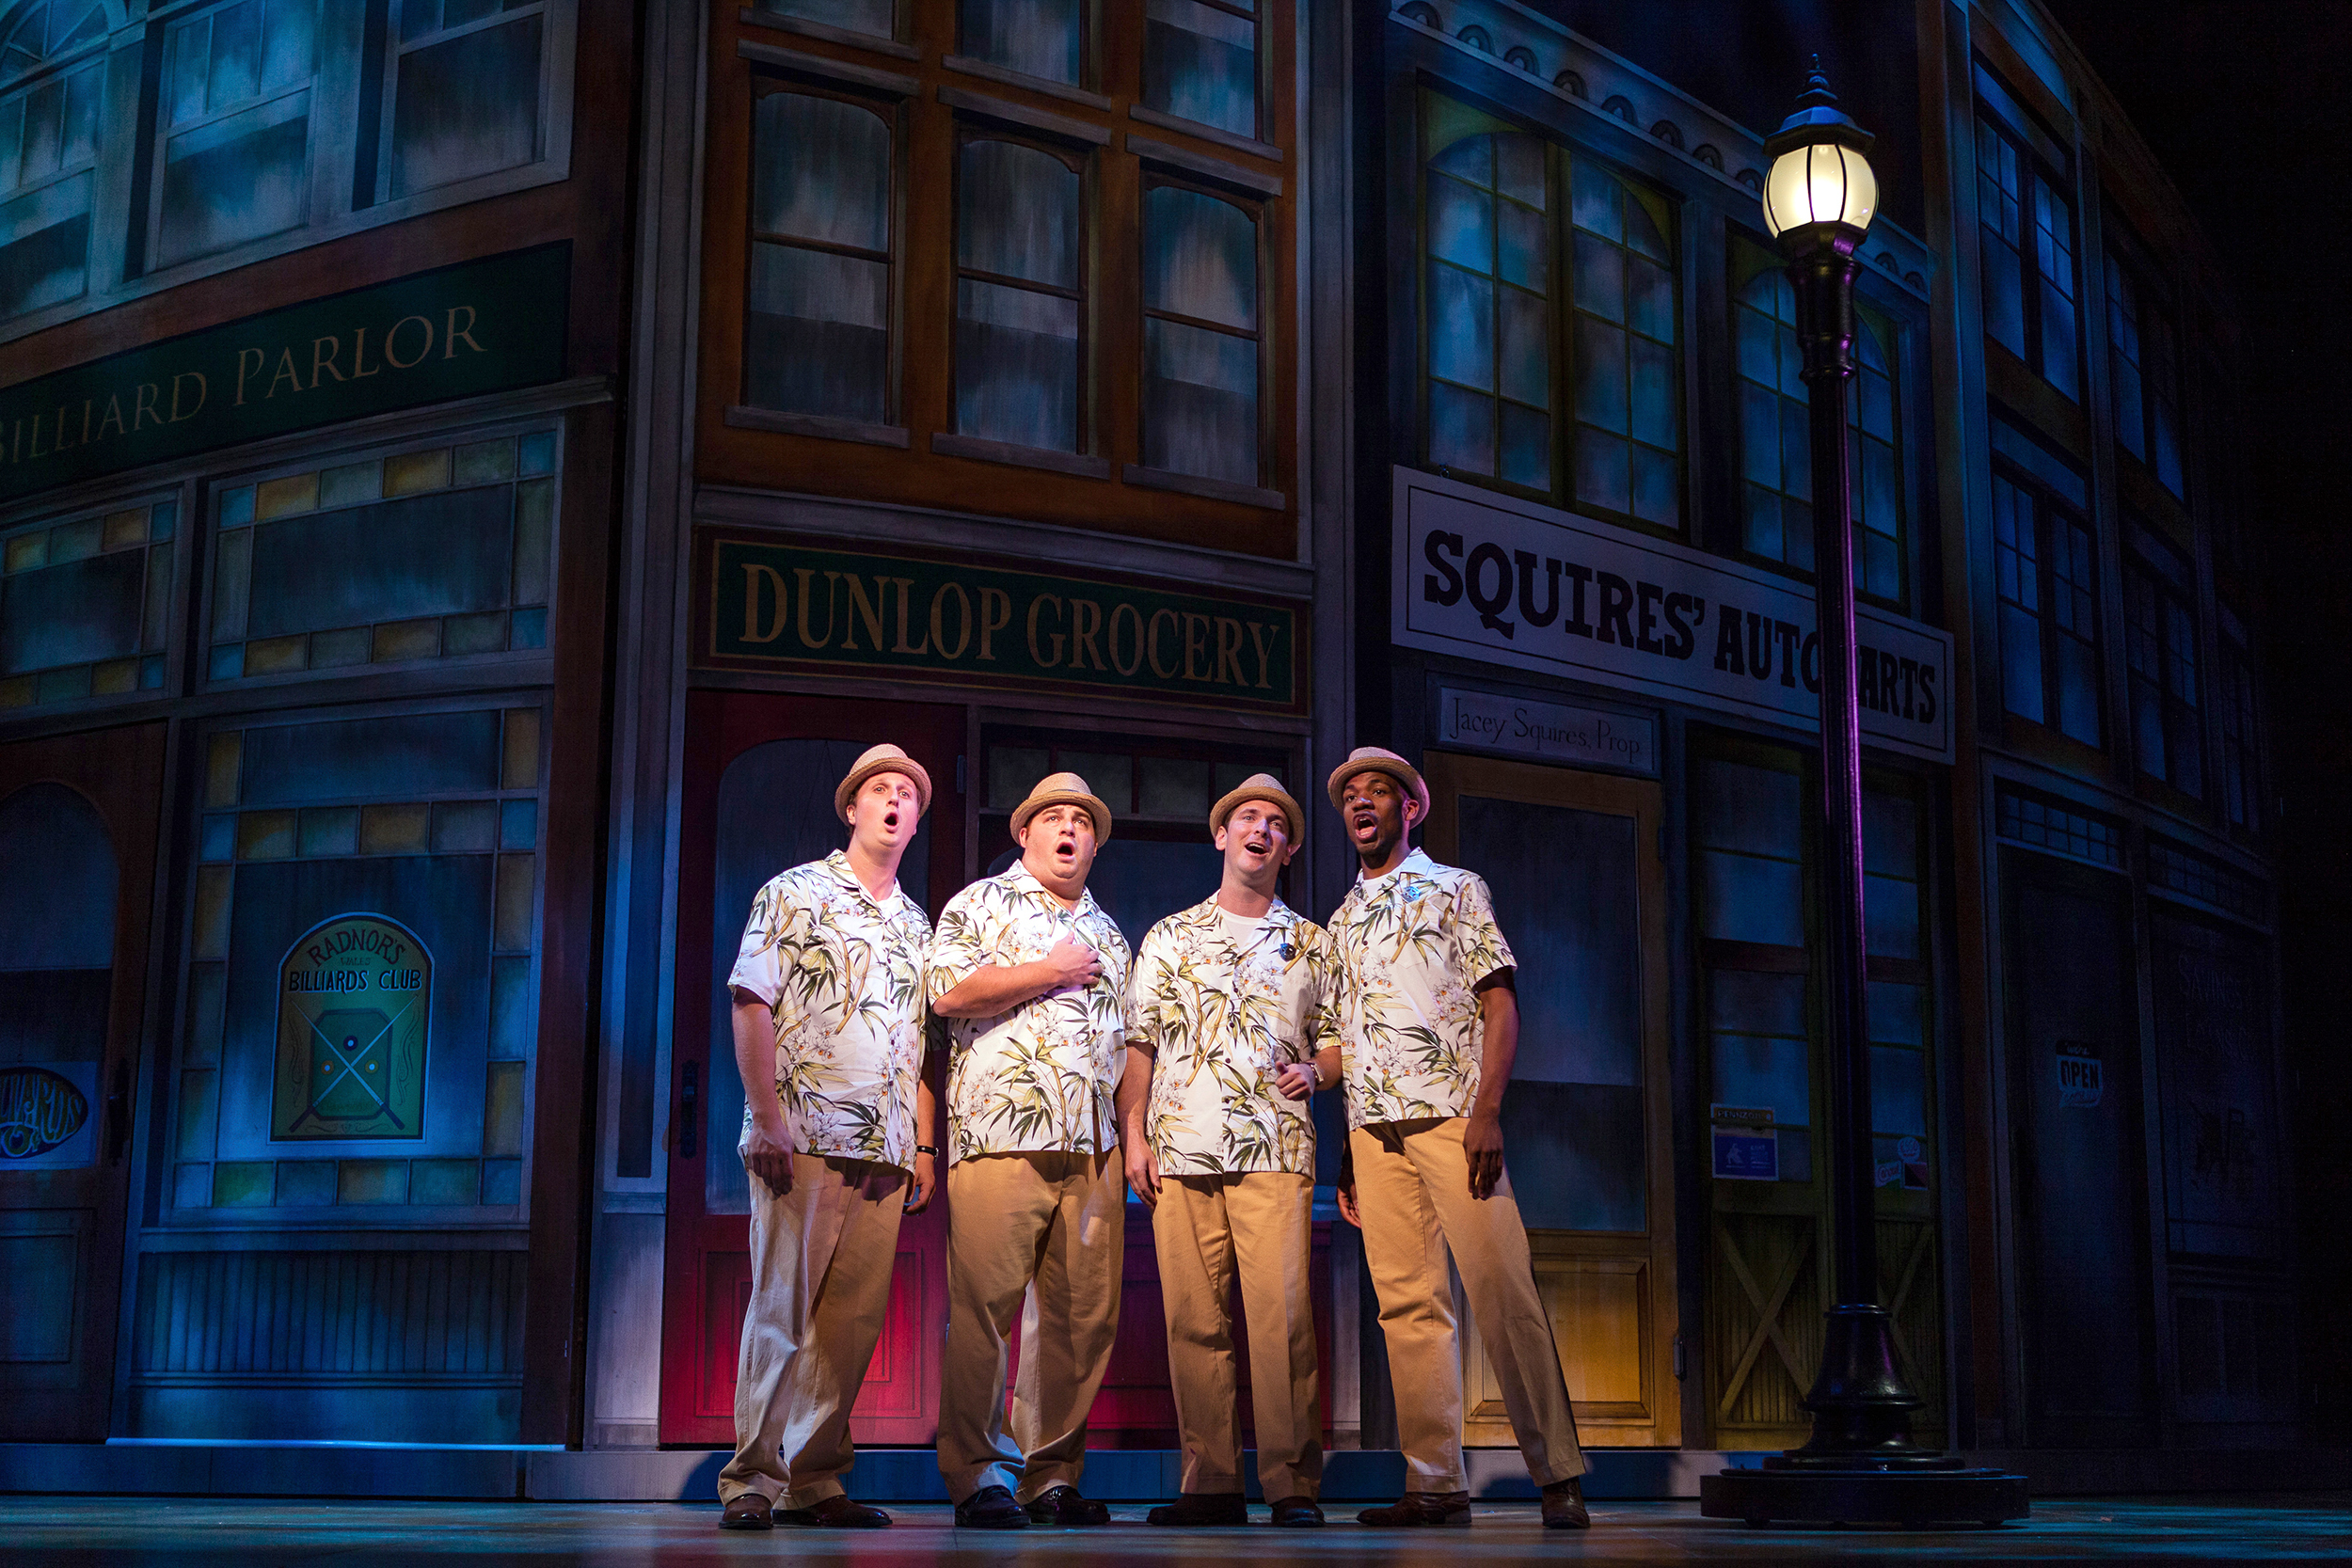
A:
[(57, 1532)]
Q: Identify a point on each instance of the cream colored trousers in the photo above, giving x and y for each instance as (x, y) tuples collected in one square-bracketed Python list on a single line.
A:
[(1208, 1229), (1412, 1187), (1057, 1222), (822, 1256)]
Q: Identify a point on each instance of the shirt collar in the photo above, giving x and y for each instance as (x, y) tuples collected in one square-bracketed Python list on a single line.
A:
[(838, 863), (1020, 877), (1416, 860), (1279, 915)]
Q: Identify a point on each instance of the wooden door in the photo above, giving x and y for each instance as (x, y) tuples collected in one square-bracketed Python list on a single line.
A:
[(2080, 1156), (760, 771), (77, 856), (1580, 890)]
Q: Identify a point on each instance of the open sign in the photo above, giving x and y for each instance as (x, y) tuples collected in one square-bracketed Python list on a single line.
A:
[(2081, 1076)]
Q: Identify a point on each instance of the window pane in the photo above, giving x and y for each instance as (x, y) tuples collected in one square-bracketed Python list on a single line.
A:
[(1527, 447), (1016, 366), (1523, 246), (1519, 168), (1652, 392), (1759, 435), (817, 334), (1017, 213), (465, 106), (2078, 690), (1461, 429), (1749, 1071), (1752, 899), (1525, 348), (44, 245), (1201, 258), (1461, 326), (1461, 224), (236, 179), (1754, 1003), (858, 16), (1600, 374), (1761, 525), (1759, 810), (1599, 268), (1595, 200), (1603, 471), (1039, 38), (1657, 486), (1201, 63), (2021, 663), (820, 171), (1200, 401), (1899, 1090)]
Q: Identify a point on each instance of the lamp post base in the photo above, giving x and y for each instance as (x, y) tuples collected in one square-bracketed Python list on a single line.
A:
[(1854, 1491)]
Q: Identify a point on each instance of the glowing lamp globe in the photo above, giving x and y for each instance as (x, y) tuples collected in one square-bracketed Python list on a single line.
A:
[(1820, 185)]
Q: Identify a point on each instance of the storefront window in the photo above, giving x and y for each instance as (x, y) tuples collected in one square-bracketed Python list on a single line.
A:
[(86, 604), (1775, 434), (1545, 268)]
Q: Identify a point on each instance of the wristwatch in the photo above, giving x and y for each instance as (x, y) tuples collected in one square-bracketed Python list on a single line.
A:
[(926, 1148)]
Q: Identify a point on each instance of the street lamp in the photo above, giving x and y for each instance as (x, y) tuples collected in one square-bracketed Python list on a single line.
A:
[(1861, 1463)]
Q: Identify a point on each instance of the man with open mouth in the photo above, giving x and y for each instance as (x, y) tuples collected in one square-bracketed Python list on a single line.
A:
[(1431, 1028), (1030, 972), (828, 992), (1232, 1023)]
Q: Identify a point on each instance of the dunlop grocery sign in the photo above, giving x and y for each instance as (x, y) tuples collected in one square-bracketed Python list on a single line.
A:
[(480, 326), (770, 604)]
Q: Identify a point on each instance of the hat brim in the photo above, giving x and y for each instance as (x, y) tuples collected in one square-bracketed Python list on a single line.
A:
[(1415, 787), (1234, 798), (847, 788), (1035, 803)]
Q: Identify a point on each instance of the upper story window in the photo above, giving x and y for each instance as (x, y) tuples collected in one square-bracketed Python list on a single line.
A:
[(1775, 434), (267, 125), (1020, 292), (2143, 373), (2025, 219), (1045, 38), (1202, 340), (52, 80), (2045, 571), (2241, 750), (2160, 646), (819, 298), (1550, 352), (879, 18), (1200, 62)]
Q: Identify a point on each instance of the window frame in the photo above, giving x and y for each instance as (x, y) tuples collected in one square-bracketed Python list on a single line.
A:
[(2052, 513), (59, 70), (2133, 289), (2044, 170), (380, 178), (1158, 178), (2157, 580)]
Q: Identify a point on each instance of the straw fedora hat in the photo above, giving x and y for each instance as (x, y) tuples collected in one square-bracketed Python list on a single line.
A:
[(884, 758), (1260, 786), (1377, 759), (1063, 789)]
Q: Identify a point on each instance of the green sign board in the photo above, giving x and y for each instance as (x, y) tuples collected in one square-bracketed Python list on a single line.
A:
[(479, 327), (771, 604), (354, 999)]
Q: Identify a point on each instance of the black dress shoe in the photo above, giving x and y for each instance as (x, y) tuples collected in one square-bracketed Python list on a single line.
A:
[(749, 1511), (835, 1512), (1197, 1509), (991, 1508), (1421, 1511), (1298, 1514), (1064, 1506)]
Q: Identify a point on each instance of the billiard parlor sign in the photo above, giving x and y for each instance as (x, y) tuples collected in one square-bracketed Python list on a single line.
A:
[(354, 1001)]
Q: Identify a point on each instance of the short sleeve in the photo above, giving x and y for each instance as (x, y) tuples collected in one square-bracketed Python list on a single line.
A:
[(959, 947), (757, 969), (1478, 946)]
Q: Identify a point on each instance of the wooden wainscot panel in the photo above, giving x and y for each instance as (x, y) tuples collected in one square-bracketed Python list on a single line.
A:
[(1597, 1294)]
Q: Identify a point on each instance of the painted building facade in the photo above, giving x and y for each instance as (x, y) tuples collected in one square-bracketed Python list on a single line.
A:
[(473, 475)]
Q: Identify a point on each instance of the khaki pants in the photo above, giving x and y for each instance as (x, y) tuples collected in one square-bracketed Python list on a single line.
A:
[(1412, 1187), (822, 1256), (1208, 1228), (1056, 1221)]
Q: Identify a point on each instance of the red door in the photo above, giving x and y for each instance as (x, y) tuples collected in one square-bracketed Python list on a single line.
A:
[(77, 855), (760, 771)]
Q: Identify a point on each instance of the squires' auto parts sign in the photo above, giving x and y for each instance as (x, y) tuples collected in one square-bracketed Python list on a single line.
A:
[(1486, 576)]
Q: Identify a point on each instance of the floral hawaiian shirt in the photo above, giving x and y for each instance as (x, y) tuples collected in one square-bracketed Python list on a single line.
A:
[(1040, 1077), (1220, 1017), (842, 975), (1412, 945)]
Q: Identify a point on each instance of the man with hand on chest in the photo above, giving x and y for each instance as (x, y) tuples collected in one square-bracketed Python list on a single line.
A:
[(1431, 1029), (1232, 1024), (1030, 971), (828, 991)]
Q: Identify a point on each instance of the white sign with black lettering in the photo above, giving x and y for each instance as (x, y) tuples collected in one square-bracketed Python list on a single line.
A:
[(1548, 732), (1480, 575)]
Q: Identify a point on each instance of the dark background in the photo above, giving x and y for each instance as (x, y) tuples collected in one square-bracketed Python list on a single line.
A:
[(2247, 108)]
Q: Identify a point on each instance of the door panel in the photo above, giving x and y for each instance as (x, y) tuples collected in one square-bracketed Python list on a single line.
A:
[(2080, 1168), (77, 846), (1580, 891), (759, 780)]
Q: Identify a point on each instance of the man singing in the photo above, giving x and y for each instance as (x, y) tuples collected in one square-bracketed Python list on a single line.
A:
[(1432, 1025), (1031, 971), (1232, 1024), (828, 991)]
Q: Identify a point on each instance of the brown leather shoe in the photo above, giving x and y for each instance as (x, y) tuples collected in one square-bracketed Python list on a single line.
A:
[(1298, 1513), (835, 1512), (1421, 1510), (991, 1508), (1202, 1510), (1564, 1505), (1064, 1506), (749, 1511)]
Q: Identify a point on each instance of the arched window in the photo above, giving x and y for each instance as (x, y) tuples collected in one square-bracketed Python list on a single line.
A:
[(1200, 335), (50, 125), (818, 314), (1549, 296), (1775, 443), (1020, 296)]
